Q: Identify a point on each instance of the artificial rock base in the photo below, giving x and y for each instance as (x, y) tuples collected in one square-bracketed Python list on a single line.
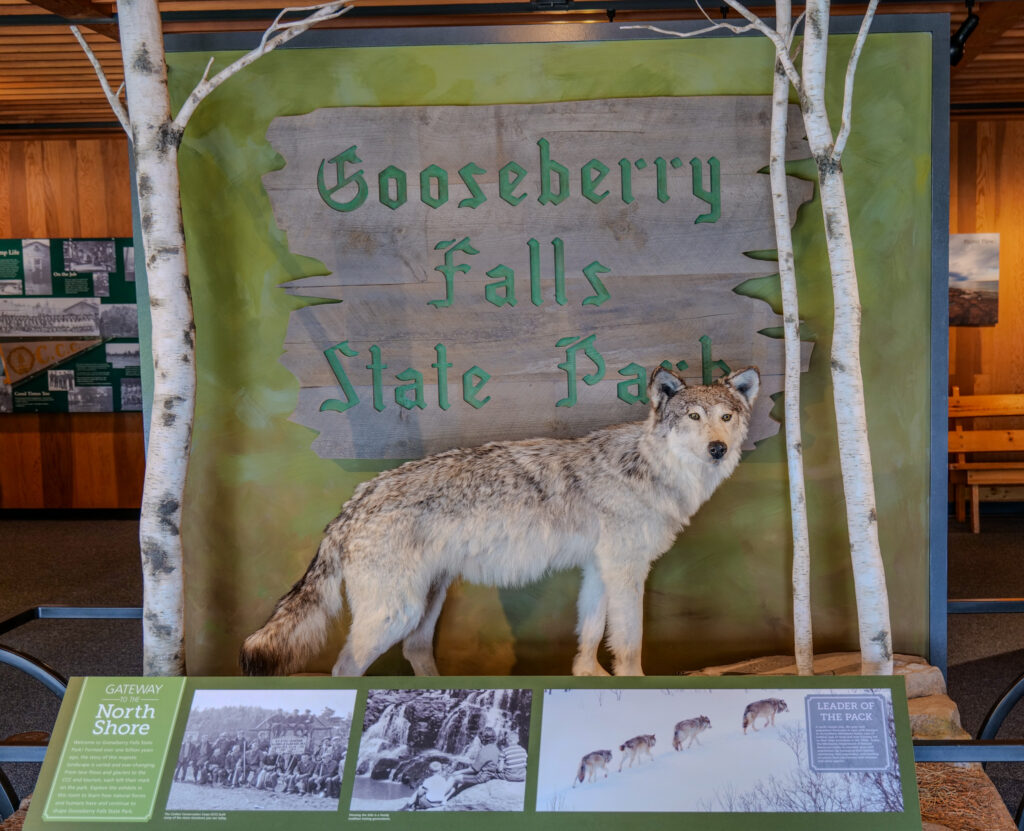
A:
[(954, 797)]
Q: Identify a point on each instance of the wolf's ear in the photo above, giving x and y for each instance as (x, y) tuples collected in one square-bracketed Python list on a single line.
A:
[(663, 385), (746, 382)]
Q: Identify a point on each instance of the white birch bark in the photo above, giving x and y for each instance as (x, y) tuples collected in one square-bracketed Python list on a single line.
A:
[(803, 638), (155, 138), (847, 381), (155, 142)]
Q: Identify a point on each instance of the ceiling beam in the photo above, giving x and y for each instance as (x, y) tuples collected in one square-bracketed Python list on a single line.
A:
[(83, 10), (995, 19)]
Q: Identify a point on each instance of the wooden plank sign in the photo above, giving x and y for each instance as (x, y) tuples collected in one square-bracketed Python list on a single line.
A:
[(518, 270)]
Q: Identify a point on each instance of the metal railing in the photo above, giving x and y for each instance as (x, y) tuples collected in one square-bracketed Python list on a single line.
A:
[(20, 750)]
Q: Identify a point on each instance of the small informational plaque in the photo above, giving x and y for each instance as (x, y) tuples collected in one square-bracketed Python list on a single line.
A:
[(848, 733), (713, 753)]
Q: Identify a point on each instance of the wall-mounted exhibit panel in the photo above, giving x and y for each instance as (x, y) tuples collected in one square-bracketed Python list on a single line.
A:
[(407, 241)]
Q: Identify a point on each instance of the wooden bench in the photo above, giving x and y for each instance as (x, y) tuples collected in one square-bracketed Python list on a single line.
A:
[(971, 451)]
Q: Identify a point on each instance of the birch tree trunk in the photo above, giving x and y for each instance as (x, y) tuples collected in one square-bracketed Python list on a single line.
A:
[(803, 640), (847, 381), (155, 141), (155, 138)]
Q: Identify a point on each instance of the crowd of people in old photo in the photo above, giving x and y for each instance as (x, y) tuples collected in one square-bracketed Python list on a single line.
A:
[(242, 761)]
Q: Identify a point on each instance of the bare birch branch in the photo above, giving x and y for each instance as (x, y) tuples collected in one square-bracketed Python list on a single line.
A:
[(792, 32), (754, 24), (277, 34), (781, 45), (112, 97), (803, 640), (715, 26), (851, 69), (206, 72)]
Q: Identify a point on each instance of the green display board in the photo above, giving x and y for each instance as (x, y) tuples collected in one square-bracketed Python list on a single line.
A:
[(332, 331), (69, 330), (724, 753)]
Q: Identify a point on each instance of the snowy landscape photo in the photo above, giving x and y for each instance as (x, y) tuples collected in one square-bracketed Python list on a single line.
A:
[(443, 750), (739, 750)]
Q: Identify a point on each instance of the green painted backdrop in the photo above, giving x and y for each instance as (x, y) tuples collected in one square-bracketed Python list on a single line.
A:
[(258, 497)]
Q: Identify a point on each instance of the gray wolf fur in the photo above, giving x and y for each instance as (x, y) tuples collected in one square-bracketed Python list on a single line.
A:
[(766, 708), (688, 731), (634, 747), (506, 514), (591, 764)]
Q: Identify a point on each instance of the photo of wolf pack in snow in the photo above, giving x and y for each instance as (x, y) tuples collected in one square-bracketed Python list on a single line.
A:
[(263, 750), (443, 750), (737, 750)]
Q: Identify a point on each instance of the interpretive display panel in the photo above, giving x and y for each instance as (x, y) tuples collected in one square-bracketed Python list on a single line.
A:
[(487, 752), (69, 326)]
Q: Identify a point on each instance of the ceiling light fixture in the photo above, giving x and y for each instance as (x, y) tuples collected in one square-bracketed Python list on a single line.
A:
[(959, 38)]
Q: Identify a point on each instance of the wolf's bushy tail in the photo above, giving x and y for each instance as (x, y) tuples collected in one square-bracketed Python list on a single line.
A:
[(582, 772), (298, 626)]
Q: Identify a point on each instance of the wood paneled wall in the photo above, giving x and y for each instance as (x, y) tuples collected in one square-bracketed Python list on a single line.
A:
[(78, 186), (68, 186), (987, 197)]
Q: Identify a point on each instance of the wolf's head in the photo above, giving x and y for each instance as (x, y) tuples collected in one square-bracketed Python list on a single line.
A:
[(708, 422)]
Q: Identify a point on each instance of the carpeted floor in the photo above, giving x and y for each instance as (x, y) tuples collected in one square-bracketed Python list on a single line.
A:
[(986, 652), (37, 570)]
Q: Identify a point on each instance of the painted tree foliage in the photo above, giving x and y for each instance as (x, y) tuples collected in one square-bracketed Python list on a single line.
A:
[(809, 83), (155, 136)]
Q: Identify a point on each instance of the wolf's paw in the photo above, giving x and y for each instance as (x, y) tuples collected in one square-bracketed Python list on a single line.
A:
[(589, 668)]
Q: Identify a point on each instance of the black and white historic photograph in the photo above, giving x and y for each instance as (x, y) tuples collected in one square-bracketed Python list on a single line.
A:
[(101, 284), (10, 288), (122, 355), (131, 394), (49, 317), (443, 750), (263, 750), (129, 264), (62, 380), (119, 320), (90, 255), (99, 399), (6, 398), (35, 260)]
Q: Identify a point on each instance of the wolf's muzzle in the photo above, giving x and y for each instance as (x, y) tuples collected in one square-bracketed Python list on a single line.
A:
[(717, 449)]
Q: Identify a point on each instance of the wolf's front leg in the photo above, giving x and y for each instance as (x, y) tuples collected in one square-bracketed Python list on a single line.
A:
[(625, 620), (592, 609)]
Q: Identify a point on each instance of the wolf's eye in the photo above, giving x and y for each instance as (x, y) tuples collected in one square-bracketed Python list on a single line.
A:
[(695, 416), (727, 417)]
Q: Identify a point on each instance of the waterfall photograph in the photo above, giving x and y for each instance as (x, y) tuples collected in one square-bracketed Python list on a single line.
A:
[(443, 750)]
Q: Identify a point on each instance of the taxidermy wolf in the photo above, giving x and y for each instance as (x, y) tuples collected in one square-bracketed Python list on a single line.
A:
[(506, 514)]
